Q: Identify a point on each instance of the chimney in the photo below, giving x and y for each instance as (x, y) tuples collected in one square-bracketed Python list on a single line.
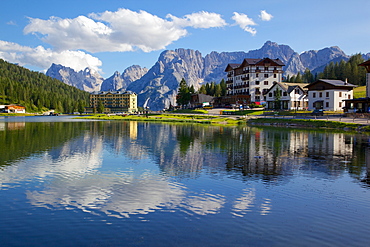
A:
[(346, 82)]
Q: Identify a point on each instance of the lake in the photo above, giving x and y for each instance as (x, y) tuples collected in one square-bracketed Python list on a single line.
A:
[(68, 182)]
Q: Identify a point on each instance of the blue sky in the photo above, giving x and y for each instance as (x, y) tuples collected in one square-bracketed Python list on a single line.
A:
[(110, 35)]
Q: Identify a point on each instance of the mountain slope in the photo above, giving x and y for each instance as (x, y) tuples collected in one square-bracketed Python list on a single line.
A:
[(37, 91), (87, 80), (158, 85)]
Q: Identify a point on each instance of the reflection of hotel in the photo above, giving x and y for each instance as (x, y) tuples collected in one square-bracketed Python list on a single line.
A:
[(280, 152)]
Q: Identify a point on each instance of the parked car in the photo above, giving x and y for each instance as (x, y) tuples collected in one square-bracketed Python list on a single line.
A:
[(318, 112)]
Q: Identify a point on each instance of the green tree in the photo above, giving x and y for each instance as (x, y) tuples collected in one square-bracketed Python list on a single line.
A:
[(277, 100), (183, 95), (307, 76), (81, 107), (100, 107), (223, 87)]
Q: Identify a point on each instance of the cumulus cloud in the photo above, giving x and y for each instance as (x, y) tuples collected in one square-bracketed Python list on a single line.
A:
[(264, 16), (43, 58), (201, 19), (244, 22), (119, 31)]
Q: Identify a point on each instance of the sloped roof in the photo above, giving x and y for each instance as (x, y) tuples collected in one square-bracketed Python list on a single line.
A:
[(336, 83), (289, 87), (255, 61), (367, 63), (232, 66), (112, 92)]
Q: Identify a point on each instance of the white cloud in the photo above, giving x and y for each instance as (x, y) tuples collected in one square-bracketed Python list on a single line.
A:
[(119, 31), (264, 16), (244, 22), (201, 19), (43, 58), (139, 29)]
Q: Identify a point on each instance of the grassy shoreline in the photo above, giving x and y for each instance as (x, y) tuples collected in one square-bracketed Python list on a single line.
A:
[(238, 120), (174, 118), (309, 124)]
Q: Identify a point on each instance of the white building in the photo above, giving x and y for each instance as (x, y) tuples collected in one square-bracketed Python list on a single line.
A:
[(287, 96), (253, 77), (329, 95)]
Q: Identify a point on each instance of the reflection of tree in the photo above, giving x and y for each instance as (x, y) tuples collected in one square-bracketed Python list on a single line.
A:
[(33, 138)]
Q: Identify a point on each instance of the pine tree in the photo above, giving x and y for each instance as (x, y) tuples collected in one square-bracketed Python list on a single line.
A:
[(184, 95)]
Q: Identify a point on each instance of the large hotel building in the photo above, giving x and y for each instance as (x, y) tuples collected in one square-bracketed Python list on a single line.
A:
[(251, 79), (114, 101)]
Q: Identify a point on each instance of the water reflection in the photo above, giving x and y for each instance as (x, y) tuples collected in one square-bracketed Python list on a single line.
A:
[(129, 168)]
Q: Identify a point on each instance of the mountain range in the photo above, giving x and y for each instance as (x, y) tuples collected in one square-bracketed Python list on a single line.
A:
[(157, 87)]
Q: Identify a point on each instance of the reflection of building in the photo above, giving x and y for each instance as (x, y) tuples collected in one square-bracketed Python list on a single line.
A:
[(329, 94), (253, 77), (114, 101)]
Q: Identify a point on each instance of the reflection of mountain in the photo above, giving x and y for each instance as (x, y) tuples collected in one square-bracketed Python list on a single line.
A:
[(128, 168), (20, 140)]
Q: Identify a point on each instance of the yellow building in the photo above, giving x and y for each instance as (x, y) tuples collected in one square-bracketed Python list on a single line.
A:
[(114, 101)]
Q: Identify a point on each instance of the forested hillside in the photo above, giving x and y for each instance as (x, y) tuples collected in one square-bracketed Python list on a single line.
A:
[(338, 71), (36, 91)]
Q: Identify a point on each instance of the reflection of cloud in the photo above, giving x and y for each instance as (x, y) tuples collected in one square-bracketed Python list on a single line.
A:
[(244, 203), (117, 194), (205, 203), (69, 163), (266, 207)]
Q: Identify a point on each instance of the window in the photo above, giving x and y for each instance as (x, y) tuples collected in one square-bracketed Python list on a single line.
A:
[(296, 91), (313, 95), (257, 82), (266, 68), (340, 94), (327, 94), (327, 104), (274, 75), (349, 96), (320, 95), (285, 94), (257, 75), (265, 83), (266, 75), (270, 94), (340, 104)]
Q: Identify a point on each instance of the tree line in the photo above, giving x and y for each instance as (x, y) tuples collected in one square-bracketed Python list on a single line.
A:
[(38, 92), (336, 71), (212, 89)]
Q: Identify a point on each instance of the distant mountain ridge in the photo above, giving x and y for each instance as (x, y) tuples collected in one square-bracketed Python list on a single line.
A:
[(158, 85)]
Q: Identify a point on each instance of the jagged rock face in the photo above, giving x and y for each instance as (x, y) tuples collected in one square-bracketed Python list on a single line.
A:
[(314, 59), (157, 87), (118, 81), (87, 80)]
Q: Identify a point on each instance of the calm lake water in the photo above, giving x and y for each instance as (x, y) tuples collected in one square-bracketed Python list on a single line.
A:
[(70, 182)]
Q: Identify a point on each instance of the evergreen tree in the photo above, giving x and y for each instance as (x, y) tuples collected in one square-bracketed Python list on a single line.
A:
[(307, 76), (81, 107), (223, 87), (184, 95), (100, 107)]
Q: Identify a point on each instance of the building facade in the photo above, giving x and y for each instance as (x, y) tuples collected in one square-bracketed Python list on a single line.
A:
[(114, 101), (329, 95), (12, 109), (287, 96), (253, 77)]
